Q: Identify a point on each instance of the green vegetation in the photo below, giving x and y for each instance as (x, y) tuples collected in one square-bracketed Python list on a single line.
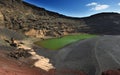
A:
[(57, 43)]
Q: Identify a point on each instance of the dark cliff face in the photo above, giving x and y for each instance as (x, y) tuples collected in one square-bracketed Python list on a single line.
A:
[(104, 23), (21, 16)]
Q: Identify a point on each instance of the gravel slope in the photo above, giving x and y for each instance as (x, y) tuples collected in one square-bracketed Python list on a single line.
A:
[(92, 56)]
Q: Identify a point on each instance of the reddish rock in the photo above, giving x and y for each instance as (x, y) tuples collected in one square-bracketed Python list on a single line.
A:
[(66, 72), (111, 72), (10, 66)]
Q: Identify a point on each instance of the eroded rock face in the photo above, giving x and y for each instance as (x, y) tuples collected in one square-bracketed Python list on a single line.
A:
[(36, 33), (1, 20), (27, 18)]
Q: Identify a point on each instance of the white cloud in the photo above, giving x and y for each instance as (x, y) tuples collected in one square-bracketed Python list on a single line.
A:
[(100, 7), (96, 6), (119, 4), (91, 4)]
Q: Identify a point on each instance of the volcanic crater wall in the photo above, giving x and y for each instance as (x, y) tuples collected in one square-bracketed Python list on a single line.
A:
[(24, 17)]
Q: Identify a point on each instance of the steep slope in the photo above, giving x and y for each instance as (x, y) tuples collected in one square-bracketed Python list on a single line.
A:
[(9, 66), (18, 15), (104, 23), (35, 21)]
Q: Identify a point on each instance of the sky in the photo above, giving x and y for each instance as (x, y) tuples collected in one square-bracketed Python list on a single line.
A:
[(78, 8)]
